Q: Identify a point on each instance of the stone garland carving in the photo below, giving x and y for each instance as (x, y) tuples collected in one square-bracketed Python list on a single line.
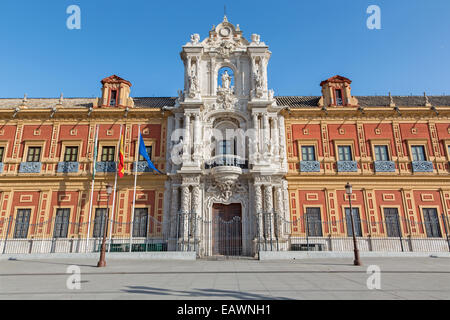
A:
[(226, 189)]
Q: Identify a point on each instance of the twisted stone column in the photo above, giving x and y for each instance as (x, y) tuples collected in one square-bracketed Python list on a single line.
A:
[(258, 212), (196, 201), (268, 209), (185, 201), (173, 217)]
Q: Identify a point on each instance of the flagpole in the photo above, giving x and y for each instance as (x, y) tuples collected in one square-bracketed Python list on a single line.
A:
[(92, 188), (135, 180), (113, 208)]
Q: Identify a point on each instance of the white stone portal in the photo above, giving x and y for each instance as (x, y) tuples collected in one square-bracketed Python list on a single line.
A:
[(229, 145)]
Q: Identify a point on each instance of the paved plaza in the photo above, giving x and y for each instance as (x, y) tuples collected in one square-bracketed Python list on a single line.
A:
[(401, 278)]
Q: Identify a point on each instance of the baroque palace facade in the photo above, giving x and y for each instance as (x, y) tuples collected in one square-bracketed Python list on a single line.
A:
[(244, 170)]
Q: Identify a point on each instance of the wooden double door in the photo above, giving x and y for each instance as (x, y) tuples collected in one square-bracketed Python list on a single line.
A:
[(227, 229)]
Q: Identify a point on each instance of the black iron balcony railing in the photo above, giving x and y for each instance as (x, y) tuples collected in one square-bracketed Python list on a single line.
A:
[(226, 160)]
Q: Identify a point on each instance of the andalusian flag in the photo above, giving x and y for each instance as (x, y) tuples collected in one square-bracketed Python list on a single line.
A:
[(121, 168)]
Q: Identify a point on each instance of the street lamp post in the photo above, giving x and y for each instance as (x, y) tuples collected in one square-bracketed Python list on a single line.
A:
[(102, 261), (348, 190)]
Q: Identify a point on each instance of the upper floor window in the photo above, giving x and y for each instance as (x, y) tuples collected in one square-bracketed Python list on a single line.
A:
[(108, 153), (149, 152), (418, 153), (381, 153), (2, 151), (345, 153), (225, 147), (34, 154), (71, 154), (113, 100), (339, 100), (308, 153)]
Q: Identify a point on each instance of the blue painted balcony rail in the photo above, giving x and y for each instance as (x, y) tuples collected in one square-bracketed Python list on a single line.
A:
[(226, 160), (422, 166), (30, 167), (1, 167), (347, 166), (384, 166), (67, 167), (105, 166), (142, 166), (309, 166)]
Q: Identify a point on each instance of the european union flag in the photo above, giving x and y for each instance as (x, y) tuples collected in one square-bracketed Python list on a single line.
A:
[(143, 152)]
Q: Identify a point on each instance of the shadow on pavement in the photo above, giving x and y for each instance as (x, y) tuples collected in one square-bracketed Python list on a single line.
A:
[(61, 263), (219, 294)]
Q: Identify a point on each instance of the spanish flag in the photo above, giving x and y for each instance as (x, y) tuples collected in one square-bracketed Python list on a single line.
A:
[(121, 169)]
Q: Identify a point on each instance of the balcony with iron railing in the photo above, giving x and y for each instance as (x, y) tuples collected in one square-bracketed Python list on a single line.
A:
[(224, 160), (422, 166)]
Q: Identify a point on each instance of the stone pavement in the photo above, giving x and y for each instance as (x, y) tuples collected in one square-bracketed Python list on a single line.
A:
[(401, 278)]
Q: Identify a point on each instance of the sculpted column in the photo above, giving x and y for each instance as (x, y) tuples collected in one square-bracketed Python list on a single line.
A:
[(174, 212), (187, 138), (276, 139), (282, 142), (196, 205), (254, 150), (279, 212), (268, 204), (185, 201), (259, 213), (266, 134), (197, 138)]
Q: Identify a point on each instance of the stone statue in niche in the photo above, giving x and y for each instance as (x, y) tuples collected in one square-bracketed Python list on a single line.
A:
[(193, 84), (226, 80)]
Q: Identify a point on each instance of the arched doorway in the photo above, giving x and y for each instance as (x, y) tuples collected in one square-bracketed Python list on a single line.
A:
[(227, 229)]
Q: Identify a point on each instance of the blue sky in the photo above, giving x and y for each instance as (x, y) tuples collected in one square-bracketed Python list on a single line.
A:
[(141, 40)]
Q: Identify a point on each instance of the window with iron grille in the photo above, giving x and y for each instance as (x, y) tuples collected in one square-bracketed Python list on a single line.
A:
[(71, 154), (345, 153), (99, 222), (34, 154), (381, 153), (313, 222), (149, 152), (431, 220), (339, 101), (2, 150), (113, 100), (108, 154), (356, 221), (308, 153), (61, 223), (22, 223), (140, 222), (392, 222), (418, 153)]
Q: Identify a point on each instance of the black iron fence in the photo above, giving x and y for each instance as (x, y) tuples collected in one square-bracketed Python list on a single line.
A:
[(185, 232)]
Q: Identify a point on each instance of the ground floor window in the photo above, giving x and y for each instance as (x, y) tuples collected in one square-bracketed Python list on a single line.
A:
[(356, 221), (99, 222), (313, 222), (431, 220), (61, 223), (392, 222), (22, 223), (140, 222)]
